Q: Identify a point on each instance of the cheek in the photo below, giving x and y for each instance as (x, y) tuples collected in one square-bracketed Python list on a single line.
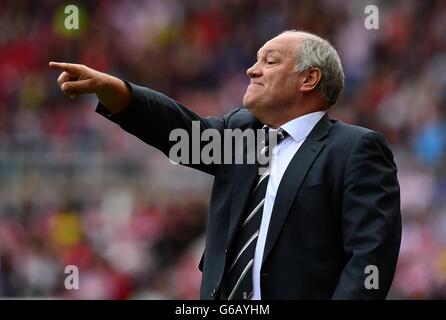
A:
[(275, 87), (288, 85)]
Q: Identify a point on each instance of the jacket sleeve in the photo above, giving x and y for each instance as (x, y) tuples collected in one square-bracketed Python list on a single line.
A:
[(371, 221), (153, 116)]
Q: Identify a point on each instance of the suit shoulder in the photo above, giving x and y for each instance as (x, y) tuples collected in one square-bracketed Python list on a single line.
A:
[(352, 133), (241, 118), (348, 140), (348, 137)]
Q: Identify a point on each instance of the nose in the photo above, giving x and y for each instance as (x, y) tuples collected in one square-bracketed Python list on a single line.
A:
[(254, 71)]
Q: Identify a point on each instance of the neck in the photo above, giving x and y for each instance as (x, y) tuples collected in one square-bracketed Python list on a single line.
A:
[(276, 123), (305, 106)]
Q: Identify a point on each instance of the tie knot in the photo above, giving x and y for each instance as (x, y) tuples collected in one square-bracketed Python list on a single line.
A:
[(272, 138), (279, 135)]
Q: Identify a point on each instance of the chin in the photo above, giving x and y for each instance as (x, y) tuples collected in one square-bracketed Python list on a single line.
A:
[(254, 109), (249, 102), (245, 101), (250, 106)]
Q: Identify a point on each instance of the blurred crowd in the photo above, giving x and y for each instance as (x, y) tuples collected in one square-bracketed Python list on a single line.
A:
[(76, 190)]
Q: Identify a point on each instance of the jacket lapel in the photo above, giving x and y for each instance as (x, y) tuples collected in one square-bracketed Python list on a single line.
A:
[(292, 180)]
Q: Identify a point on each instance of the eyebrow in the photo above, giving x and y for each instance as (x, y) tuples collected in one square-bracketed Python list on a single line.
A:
[(268, 51)]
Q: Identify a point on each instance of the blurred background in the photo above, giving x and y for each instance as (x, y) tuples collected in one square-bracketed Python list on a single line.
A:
[(76, 190)]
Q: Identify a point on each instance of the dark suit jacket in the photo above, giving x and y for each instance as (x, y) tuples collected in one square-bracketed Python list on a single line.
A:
[(337, 209)]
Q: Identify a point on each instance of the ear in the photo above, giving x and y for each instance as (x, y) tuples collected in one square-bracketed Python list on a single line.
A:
[(310, 79)]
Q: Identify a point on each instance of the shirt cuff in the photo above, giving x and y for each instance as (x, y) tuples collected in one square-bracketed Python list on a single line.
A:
[(137, 99)]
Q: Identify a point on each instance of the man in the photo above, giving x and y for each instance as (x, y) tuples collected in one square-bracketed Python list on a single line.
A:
[(325, 217)]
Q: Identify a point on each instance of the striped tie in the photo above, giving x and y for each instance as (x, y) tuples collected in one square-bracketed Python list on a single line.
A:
[(237, 282)]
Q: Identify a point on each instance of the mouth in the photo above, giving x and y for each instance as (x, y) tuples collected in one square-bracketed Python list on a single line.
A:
[(254, 84)]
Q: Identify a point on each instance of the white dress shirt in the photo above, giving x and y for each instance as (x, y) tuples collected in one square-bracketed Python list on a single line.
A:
[(298, 129)]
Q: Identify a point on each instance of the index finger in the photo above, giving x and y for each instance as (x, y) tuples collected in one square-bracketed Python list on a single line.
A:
[(71, 68)]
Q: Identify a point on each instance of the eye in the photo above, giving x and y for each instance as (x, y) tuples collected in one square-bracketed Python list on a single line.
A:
[(270, 62)]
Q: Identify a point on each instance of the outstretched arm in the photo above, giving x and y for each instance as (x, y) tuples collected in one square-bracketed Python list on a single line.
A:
[(149, 115)]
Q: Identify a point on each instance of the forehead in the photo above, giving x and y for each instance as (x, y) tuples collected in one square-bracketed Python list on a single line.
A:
[(283, 44)]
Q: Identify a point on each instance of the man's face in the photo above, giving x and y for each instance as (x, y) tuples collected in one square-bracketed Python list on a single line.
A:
[(274, 82)]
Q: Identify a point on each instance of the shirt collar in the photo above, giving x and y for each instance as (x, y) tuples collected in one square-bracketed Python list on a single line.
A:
[(301, 127)]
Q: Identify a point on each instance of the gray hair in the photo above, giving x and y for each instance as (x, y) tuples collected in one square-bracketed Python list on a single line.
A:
[(315, 52)]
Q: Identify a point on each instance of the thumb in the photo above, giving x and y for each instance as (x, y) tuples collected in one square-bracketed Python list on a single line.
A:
[(78, 87)]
